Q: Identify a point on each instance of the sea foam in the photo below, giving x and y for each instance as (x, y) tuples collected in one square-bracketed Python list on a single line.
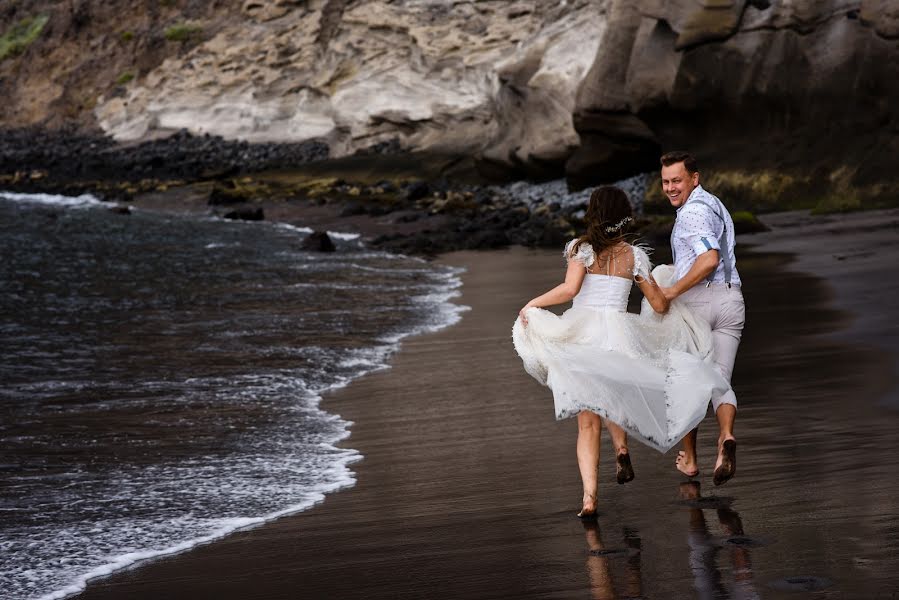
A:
[(272, 450)]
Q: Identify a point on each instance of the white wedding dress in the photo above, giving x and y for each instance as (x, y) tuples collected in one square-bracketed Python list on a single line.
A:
[(651, 374)]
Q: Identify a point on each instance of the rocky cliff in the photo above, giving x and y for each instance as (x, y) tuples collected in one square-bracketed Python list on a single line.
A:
[(495, 80), (803, 88), (589, 89)]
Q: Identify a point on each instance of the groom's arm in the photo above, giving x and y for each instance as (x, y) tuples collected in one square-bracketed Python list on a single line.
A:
[(705, 265), (696, 228)]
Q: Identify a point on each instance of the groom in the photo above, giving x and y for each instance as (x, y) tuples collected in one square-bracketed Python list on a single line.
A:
[(705, 270)]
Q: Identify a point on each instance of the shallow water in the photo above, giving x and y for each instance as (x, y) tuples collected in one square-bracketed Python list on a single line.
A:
[(162, 378)]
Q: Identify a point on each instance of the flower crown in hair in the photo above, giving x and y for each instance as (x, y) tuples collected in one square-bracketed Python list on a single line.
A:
[(618, 225)]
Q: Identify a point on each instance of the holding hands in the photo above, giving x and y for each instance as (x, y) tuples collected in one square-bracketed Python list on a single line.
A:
[(523, 313)]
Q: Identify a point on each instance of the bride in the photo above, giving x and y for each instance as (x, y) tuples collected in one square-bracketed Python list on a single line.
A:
[(648, 375)]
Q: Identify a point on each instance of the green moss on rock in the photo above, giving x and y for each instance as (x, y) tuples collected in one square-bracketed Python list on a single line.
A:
[(236, 191), (183, 32), (18, 37), (746, 222), (770, 191), (839, 201)]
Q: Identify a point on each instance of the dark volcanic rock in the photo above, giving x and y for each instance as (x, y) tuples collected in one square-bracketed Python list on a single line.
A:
[(318, 241), (245, 214), (67, 155), (417, 190), (745, 85), (352, 209), (746, 222), (494, 222)]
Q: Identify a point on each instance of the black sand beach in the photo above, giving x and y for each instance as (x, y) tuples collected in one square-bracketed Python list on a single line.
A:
[(468, 487)]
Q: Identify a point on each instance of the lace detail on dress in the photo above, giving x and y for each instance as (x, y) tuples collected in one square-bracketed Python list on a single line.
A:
[(585, 254), (621, 264), (642, 264)]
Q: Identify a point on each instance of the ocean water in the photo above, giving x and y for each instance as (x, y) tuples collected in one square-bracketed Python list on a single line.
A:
[(162, 378)]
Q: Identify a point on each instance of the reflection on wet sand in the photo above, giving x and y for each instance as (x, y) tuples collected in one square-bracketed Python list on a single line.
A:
[(818, 473), (602, 583), (704, 549)]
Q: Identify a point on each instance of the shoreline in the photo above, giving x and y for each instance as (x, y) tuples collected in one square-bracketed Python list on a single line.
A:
[(372, 357), (466, 484)]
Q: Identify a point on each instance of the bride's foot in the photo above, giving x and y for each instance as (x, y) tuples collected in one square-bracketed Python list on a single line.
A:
[(589, 508), (624, 471), (726, 465), (686, 465)]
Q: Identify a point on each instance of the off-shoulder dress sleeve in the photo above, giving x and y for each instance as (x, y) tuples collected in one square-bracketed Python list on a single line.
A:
[(642, 264), (584, 254)]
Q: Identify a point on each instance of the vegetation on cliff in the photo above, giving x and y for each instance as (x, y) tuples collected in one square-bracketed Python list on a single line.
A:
[(787, 105), (21, 35), (183, 32)]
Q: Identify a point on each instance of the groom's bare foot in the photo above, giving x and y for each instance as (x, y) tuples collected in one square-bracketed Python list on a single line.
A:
[(686, 465), (726, 465)]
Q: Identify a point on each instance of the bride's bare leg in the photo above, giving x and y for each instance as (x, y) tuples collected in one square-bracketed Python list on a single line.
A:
[(686, 458), (624, 472), (619, 437), (589, 429)]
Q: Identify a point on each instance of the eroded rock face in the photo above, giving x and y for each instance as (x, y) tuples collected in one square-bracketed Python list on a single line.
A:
[(495, 79), (788, 85), (86, 48), (590, 89)]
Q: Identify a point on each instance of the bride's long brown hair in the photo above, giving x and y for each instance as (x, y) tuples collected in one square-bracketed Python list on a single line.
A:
[(609, 208)]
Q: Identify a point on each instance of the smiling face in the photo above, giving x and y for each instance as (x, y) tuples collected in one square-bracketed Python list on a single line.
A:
[(678, 183)]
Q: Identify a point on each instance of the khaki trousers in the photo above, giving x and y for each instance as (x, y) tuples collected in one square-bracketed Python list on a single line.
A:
[(722, 307)]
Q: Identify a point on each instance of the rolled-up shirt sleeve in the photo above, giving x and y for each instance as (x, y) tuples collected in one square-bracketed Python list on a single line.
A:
[(697, 228)]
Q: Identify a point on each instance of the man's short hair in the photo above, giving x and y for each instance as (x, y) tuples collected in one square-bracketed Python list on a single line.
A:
[(672, 158)]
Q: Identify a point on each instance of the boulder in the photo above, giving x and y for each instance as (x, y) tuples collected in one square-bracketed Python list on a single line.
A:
[(800, 86), (318, 241), (245, 214)]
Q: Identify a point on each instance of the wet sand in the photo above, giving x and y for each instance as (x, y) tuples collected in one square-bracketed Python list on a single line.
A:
[(468, 487)]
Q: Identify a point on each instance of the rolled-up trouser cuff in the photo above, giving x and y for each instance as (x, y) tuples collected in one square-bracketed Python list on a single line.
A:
[(726, 398)]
